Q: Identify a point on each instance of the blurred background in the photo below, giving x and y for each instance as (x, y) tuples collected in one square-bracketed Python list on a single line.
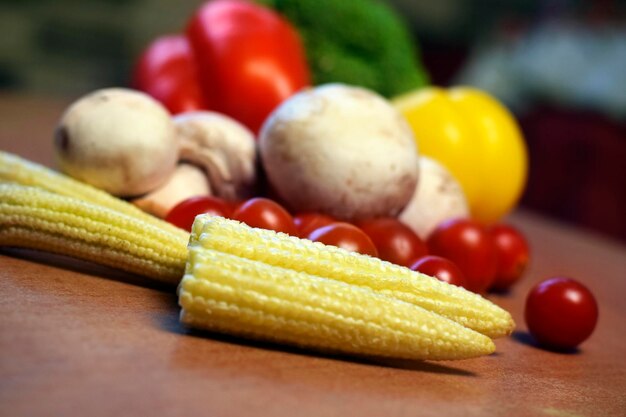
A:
[(560, 66)]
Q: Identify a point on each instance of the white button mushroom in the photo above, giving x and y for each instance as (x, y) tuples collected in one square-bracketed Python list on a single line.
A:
[(223, 147), (118, 140), (438, 197), (340, 150)]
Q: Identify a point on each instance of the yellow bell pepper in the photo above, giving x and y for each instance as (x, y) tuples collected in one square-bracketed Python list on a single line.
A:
[(477, 139)]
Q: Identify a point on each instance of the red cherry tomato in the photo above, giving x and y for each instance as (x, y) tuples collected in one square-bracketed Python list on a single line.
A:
[(512, 253), (251, 58), (184, 213), (468, 244), (265, 214), (440, 268), (307, 222), (346, 236), (560, 313), (167, 71), (394, 241)]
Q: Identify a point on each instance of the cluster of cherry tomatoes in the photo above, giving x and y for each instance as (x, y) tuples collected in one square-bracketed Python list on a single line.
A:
[(461, 251)]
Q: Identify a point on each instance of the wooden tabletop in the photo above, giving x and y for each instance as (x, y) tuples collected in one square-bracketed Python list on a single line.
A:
[(82, 340)]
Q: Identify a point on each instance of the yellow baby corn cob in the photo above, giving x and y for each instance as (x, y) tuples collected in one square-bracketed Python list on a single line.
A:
[(226, 293), (14, 169), (33, 218), (464, 307)]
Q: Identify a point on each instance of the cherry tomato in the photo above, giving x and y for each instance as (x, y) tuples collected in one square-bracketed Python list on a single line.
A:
[(251, 58), (512, 253), (395, 242), (560, 313), (265, 214), (346, 236), (167, 71), (307, 222), (468, 244), (440, 268), (184, 213)]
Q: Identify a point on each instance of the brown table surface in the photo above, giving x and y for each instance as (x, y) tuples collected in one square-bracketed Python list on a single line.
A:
[(80, 340)]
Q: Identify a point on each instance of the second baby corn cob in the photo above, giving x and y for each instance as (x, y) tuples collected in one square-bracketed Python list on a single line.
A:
[(226, 293), (302, 255)]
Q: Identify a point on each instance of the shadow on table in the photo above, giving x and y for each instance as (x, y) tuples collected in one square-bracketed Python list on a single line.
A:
[(526, 339), (87, 268), (173, 325)]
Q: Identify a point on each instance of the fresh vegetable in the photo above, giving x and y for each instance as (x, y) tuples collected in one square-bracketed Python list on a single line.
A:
[(303, 255), (345, 236), (16, 170), (249, 57), (356, 42), (167, 71), (560, 313), (477, 139), (224, 148), (341, 151), (438, 197), (249, 297), (307, 222), (394, 241), (470, 246), (34, 218), (513, 254), (185, 212), (441, 268), (100, 135), (266, 214)]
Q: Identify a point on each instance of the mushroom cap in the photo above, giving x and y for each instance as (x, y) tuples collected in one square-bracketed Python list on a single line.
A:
[(340, 150), (119, 140)]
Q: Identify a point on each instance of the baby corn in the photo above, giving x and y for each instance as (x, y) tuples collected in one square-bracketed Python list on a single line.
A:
[(34, 218), (226, 293), (14, 169), (468, 309)]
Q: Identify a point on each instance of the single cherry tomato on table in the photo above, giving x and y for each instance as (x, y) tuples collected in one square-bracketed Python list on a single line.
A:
[(250, 58), (185, 212), (168, 72), (307, 222), (394, 241), (470, 246), (265, 214), (513, 254), (560, 313), (440, 268), (346, 236)]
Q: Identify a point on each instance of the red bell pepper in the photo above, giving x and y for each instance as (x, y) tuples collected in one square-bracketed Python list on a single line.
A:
[(168, 72), (247, 58), (250, 58)]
